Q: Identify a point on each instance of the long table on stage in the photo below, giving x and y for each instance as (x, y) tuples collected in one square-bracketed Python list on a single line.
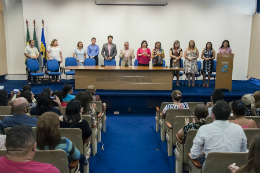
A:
[(123, 78)]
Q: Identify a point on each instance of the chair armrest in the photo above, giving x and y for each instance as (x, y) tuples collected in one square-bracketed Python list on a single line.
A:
[(86, 140), (74, 163), (195, 162), (162, 117), (168, 125), (94, 125), (99, 115), (179, 139)]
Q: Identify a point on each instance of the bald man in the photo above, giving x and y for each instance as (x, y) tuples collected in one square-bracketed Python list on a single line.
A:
[(20, 108)]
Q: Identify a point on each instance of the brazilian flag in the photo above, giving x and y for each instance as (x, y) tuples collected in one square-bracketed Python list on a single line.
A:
[(43, 48), (36, 45), (27, 41)]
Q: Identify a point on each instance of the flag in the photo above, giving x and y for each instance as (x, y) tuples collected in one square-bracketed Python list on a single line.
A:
[(43, 48), (27, 41), (36, 45)]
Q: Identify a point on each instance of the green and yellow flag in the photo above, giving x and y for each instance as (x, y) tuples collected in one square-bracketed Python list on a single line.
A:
[(27, 41)]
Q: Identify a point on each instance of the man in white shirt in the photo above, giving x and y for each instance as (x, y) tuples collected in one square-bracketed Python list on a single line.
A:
[(219, 136), (217, 95), (31, 52)]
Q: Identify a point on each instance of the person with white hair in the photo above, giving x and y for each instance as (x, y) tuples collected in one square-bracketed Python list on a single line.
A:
[(126, 55)]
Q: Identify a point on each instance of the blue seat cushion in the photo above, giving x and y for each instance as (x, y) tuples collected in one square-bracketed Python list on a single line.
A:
[(54, 73), (37, 74), (197, 75), (70, 72), (180, 73), (212, 75)]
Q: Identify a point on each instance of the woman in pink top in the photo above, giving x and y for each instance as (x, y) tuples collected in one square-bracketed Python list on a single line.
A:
[(143, 54), (225, 47), (239, 110)]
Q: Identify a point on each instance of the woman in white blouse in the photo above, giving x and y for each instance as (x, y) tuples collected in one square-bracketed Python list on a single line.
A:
[(54, 52)]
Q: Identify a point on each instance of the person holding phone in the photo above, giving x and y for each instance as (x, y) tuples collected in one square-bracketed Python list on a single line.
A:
[(54, 52), (144, 54), (80, 54), (157, 55)]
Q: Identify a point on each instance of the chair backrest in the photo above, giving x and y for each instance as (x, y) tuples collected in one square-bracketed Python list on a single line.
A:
[(52, 65), (120, 59), (89, 62), (179, 123), (163, 63), (163, 104), (70, 61), (250, 134), (136, 62), (181, 63), (88, 119), (192, 106), (217, 162), (215, 66), (3, 116), (188, 144), (56, 157), (172, 113), (32, 64), (209, 119), (112, 62), (6, 110), (74, 135), (199, 65), (99, 106)]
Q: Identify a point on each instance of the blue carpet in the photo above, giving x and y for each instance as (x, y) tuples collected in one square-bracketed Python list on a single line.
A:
[(131, 145)]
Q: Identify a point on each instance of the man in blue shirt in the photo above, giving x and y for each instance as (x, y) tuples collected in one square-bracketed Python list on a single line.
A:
[(93, 50), (20, 108)]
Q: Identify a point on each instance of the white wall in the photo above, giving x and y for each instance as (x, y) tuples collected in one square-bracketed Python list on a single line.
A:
[(200, 20)]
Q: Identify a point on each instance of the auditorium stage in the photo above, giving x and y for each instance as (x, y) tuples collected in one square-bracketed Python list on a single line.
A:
[(144, 102)]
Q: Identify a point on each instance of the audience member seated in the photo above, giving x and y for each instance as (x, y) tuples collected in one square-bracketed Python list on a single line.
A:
[(24, 88), (20, 108), (2, 141), (85, 99), (66, 93), (176, 97), (219, 136), (20, 151), (29, 97), (201, 113), (249, 101), (73, 118), (239, 109), (91, 88), (257, 102), (4, 98), (48, 91), (252, 162), (217, 95), (48, 137), (44, 105), (58, 93)]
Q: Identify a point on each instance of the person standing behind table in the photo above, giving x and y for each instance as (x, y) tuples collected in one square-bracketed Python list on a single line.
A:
[(225, 47), (143, 54), (126, 55), (33, 53), (93, 50), (54, 52), (190, 65), (175, 61), (109, 50), (157, 55), (208, 54), (80, 54)]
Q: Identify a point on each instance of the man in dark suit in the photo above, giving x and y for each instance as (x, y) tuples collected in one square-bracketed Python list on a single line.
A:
[(109, 50)]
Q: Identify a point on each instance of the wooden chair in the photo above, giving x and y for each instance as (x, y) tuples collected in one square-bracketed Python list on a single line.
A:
[(181, 151), (192, 106), (217, 162), (99, 118), (250, 134), (6, 110), (157, 115), (56, 157)]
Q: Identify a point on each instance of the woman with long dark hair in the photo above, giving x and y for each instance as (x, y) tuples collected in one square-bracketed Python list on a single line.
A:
[(175, 61), (157, 55), (67, 93), (28, 95), (73, 118), (225, 47), (144, 54), (208, 54), (253, 163), (44, 104), (85, 99), (3, 98)]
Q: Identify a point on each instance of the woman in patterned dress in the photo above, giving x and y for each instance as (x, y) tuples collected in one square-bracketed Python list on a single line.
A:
[(157, 55), (190, 65), (175, 61), (208, 54)]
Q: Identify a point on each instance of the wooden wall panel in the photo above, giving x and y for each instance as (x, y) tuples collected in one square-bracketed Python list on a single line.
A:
[(3, 60)]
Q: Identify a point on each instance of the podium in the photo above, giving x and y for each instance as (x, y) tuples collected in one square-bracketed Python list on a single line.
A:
[(224, 71)]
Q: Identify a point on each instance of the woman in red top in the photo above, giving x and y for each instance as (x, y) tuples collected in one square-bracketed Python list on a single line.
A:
[(143, 54)]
